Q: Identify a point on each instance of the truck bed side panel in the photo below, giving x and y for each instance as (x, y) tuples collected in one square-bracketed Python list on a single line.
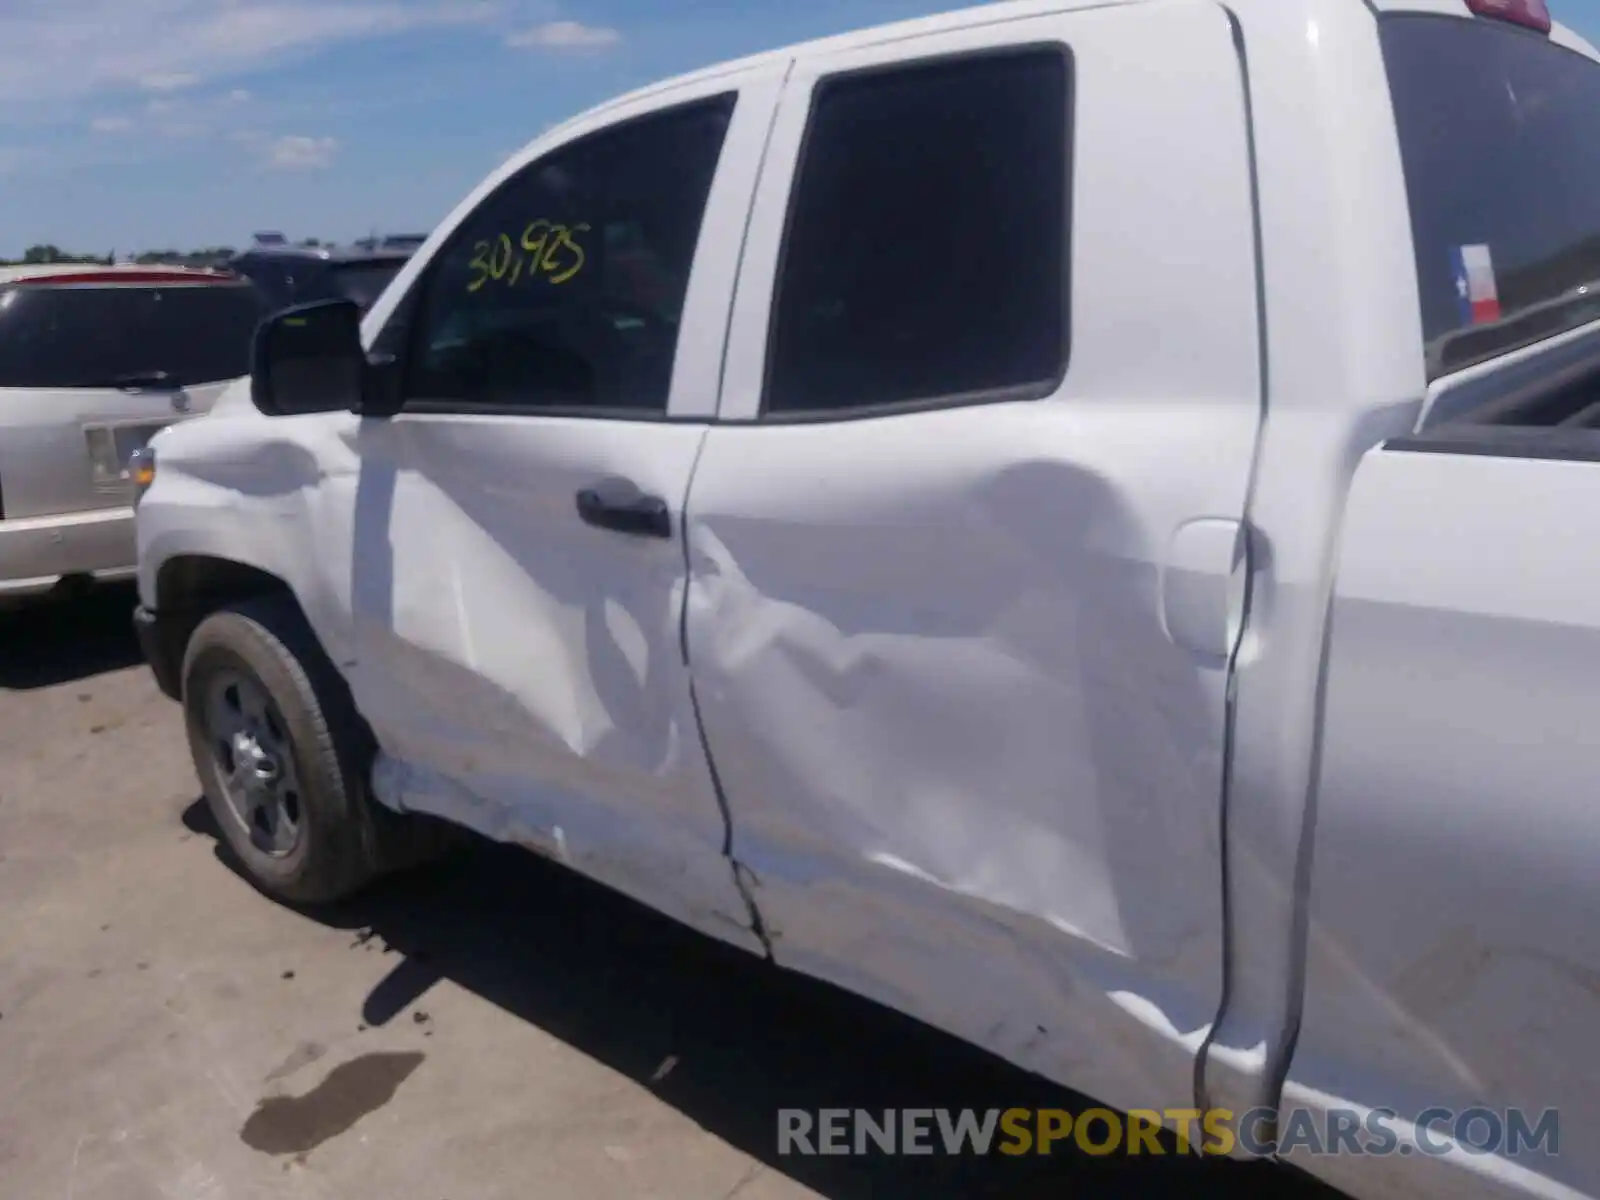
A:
[(1454, 949)]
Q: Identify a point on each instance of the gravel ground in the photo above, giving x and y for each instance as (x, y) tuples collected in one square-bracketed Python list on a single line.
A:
[(494, 1028)]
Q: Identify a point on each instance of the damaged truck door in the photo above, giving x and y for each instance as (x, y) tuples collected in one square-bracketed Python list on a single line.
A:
[(959, 602), (521, 661), (979, 512)]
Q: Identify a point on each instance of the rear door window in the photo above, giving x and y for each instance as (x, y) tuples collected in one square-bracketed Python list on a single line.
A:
[(1498, 127), (926, 254), (85, 336)]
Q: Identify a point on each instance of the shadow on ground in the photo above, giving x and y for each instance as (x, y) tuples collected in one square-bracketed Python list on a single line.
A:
[(633, 989), (61, 639)]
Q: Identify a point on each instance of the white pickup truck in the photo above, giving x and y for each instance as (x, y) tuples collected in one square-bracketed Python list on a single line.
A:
[(1067, 518)]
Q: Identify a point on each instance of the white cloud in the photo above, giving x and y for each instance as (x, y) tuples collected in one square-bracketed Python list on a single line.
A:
[(110, 125), (297, 153), (239, 95), (65, 49), (175, 118), (565, 35), (172, 81)]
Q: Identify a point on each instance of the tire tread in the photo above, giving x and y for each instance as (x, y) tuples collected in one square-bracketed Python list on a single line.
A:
[(354, 838)]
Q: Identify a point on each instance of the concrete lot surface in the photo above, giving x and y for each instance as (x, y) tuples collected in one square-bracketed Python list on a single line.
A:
[(493, 1029)]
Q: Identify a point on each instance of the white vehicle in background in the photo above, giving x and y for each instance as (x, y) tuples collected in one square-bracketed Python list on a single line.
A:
[(1070, 519), (93, 360)]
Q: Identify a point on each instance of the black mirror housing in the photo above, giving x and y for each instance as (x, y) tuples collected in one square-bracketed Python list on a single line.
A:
[(309, 359)]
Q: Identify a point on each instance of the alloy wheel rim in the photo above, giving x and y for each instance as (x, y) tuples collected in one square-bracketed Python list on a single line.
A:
[(254, 762)]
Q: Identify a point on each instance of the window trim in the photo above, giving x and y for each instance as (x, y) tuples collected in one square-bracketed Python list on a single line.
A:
[(1026, 392), (415, 301)]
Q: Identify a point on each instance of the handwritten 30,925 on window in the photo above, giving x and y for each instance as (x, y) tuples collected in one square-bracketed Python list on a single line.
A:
[(545, 249)]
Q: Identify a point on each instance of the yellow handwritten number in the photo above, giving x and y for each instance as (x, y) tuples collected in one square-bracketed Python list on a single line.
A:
[(544, 248), (564, 238), (516, 259), (480, 264), (536, 246), (500, 264)]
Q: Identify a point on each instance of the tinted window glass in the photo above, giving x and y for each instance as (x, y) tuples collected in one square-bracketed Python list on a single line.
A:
[(85, 336), (1498, 128), (361, 282), (271, 278), (564, 289), (926, 250)]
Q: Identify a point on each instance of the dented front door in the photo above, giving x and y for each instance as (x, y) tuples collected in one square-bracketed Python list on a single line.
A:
[(518, 571)]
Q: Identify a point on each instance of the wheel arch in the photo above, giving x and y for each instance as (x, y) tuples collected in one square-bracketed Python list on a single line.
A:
[(206, 581), (188, 587)]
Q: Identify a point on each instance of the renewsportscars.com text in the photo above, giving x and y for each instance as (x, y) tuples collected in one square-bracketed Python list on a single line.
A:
[(1101, 1131)]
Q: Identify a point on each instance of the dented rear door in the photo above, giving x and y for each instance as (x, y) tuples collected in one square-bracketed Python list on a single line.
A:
[(964, 549)]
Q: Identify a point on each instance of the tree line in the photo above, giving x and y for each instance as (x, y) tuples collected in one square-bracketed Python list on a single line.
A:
[(50, 255)]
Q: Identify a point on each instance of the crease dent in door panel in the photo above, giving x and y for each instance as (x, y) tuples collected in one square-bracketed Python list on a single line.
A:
[(836, 702), (1032, 671), (606, 809), (508, 692), (549, 702), (635, 853), (743, 878)]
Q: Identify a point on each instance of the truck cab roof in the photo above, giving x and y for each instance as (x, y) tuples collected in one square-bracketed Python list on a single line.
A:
[(985, 14)]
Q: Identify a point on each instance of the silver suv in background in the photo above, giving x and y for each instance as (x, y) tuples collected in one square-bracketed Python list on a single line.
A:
[(290, 275), (93, 361)]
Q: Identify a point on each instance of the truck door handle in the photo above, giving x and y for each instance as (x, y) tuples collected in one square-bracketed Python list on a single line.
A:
[(619, 505)]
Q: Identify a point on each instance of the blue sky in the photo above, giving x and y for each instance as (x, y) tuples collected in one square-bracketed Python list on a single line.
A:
[(140, 124)]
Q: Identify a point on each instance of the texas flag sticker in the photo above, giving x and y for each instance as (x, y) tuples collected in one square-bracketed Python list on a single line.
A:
[(1475, 286)]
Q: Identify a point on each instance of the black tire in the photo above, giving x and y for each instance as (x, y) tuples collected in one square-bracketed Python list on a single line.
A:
[(344, 839)]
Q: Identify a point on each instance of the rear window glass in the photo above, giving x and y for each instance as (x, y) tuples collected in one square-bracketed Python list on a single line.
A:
[(274, 280), (361, 282), (70, 336), (1498, 127)]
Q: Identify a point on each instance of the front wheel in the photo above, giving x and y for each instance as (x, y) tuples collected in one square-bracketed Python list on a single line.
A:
[(283, 758)]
